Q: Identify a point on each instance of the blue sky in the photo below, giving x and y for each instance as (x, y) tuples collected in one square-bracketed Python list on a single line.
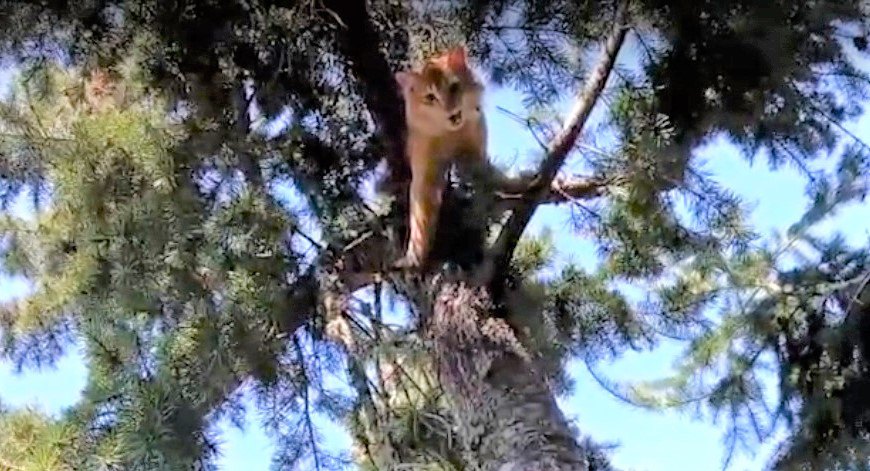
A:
[(648, 441)]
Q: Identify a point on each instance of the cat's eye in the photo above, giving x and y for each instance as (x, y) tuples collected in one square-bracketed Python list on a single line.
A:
[(454, 87), (430, 98)]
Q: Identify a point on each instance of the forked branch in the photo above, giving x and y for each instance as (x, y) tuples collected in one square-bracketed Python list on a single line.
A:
[(358, 39), (557, 151)]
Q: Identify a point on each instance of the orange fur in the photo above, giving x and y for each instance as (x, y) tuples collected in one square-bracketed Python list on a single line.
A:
[(445, 122), (99, 90)]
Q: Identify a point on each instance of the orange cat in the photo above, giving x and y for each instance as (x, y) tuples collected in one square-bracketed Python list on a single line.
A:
[(444, 121)]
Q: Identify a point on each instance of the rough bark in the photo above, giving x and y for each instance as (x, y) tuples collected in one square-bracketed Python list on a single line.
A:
[(507, 415)]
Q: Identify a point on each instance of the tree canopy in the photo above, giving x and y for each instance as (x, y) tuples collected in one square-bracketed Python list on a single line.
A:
[(202, 223)]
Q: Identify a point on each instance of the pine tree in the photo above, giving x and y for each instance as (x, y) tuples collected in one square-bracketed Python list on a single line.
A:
[(160, 142)]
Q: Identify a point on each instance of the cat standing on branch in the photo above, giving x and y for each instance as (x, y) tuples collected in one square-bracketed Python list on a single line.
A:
[(444, 122)]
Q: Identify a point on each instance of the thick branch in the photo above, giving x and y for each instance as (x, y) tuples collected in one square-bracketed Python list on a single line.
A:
[(564, 191), (575, 189), (358, 41), (505, 413), (557, 150)]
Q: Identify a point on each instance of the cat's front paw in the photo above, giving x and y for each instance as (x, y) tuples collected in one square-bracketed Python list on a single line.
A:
[(407, 263)]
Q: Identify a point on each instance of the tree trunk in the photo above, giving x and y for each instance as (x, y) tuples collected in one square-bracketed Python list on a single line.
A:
[(507, 417)]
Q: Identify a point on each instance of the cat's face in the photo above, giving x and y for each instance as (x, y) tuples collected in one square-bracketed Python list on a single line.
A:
[(443, 96)]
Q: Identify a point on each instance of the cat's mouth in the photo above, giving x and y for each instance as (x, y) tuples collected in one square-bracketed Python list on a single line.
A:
[(455, 119)]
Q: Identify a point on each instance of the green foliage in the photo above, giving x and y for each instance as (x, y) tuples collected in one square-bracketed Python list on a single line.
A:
[(594, 319), (161, 240), (802, 322), (31, 441)]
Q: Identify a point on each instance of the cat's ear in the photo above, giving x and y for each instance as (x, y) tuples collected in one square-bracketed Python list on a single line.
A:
[(457, 58), (404, 79)]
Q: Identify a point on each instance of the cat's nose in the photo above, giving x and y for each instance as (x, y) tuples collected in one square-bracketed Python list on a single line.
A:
[(456, 118)]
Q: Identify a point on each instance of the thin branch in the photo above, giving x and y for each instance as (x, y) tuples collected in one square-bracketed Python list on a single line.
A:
[(308, 238), (529, 123), (563, 143), (22, 137), (610, 388), (526, 29), (307, 413), (837, 123), (558, 150), (859, 293)]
